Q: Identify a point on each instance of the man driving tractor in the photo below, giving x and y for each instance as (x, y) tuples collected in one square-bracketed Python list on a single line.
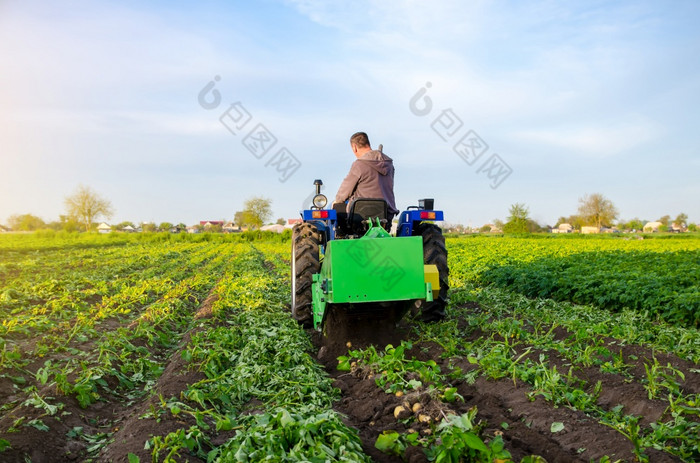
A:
[(371, 176), (345, 262)]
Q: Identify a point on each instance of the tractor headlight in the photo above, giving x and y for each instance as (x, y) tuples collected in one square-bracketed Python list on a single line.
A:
[(320, 201)]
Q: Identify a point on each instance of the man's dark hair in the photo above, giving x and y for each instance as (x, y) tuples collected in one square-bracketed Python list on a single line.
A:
[(360, 139)]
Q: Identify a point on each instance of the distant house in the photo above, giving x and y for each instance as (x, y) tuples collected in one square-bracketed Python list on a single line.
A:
[(675, 228), (211, 223), (129, 229), (563, 228), (104, 228), (230, 227), (3, 229), (494, 229), (277, 228), (652, 227), (590, 230), (193, 229)]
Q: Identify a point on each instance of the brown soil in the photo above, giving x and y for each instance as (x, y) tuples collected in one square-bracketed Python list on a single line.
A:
[(503, 406), (129, 422), (137, 424)]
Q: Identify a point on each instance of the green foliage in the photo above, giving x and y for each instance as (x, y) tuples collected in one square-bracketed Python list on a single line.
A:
[(4, 445), (458, 441), (659, 277), (60, 287), (557, 426), (454, 440), (25, 222), (391, 442), (259, 235), (394, 371), (514, 327), (284, 436), (256, 212), (665, 284), (255, 353), (193, 440), (260, 380), (634, 224), (681, 220), (148, 227), (518, 220), (85, 206), (597, 210)]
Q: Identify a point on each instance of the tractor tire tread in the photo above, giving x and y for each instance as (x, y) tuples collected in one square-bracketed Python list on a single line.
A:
[(305, 252), (434, 253)]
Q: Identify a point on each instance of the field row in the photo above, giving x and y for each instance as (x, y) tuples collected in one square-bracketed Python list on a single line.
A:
[(519, 376), (69, 353), (659, 277), (231, 341), (139, 350)]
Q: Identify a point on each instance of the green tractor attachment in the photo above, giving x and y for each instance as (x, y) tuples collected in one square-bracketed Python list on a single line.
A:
[(350, 263), (373, 268)]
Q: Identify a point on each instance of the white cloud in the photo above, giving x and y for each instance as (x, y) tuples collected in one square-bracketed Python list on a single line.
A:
[(591, 141), (546, 77), (105, 55)]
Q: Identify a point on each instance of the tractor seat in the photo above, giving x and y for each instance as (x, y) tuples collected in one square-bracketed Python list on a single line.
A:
[(366, 208)]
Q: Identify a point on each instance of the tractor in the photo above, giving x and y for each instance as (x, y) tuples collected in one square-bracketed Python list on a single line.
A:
[(348, 262)]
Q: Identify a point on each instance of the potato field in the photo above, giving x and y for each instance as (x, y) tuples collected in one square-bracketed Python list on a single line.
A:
[(175, 348)]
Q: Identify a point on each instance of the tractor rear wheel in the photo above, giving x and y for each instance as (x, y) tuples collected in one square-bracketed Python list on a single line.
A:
[(305, 263), (434, 253)]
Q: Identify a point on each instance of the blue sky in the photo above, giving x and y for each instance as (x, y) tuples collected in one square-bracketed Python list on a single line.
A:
[(568, 98)]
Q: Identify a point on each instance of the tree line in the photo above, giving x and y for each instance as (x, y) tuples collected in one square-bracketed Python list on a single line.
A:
[(598, 211), (594, 210), (85, 206)]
